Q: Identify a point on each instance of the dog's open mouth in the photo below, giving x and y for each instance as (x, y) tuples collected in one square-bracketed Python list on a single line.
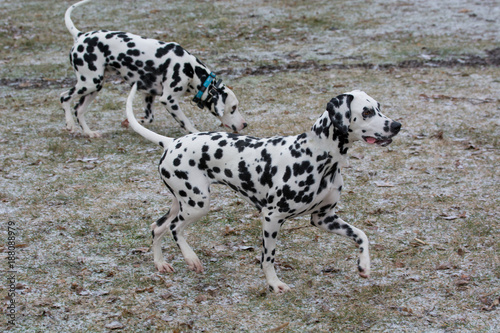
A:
[(233, 128), (381, 142)]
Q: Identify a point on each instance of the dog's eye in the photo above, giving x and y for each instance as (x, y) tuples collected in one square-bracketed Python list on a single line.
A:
[(368, 113), (234, 109)]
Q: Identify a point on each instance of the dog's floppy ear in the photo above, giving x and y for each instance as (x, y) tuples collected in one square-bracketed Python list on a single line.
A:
[(339, 109), (218, 94)]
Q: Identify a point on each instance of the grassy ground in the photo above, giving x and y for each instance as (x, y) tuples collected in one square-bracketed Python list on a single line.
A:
[(428, 202)]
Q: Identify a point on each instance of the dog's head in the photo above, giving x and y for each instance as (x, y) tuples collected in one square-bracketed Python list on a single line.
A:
[(356, 116), (224, 105)]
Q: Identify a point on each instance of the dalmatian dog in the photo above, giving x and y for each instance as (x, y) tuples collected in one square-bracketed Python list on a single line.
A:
[(283, 177), (159, 69)]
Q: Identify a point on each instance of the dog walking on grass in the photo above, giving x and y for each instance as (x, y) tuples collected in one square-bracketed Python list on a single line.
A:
[(159, 69), (283, 177)]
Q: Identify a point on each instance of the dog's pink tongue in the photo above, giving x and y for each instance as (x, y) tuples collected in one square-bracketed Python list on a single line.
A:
[(371, 140)]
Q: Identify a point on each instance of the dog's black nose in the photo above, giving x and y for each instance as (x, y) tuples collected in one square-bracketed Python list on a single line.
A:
[(245, 125), (395, 127)]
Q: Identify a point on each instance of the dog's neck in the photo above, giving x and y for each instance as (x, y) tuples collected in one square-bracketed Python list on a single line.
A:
[(331, 138), (200, 75)]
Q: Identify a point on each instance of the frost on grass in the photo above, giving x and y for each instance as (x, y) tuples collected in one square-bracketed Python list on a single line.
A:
[(84, 214)]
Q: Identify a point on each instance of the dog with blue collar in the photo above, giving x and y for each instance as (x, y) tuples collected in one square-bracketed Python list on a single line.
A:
[(160, 69)]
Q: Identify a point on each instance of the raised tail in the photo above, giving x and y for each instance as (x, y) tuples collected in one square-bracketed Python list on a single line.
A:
[(147, 134), (67, 19)]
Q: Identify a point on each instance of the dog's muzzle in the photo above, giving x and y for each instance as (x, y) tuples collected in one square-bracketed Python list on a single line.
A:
[(384, 140)]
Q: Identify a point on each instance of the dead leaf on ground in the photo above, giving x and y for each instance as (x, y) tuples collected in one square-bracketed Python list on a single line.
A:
[(438, 135), (279, 328), (201, 298), (330, 270), (140, 250), (220, 248), (463, 281), (384, 184), (147, 289), (167, 318), (82, 292), (399, 264), (284, 266), (166, 296), (443, 266), (244, 248), (445, 216), (229, 230), (115, 325), (492, 306), (370, 222)]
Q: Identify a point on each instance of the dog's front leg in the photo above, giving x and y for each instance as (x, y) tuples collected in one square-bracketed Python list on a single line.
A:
[(66, 98), (333, 223), (148, 109), (270, 231), (171, 102), (81, 109)]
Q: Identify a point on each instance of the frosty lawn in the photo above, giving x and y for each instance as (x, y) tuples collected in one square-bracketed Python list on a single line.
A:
[(428, 203)]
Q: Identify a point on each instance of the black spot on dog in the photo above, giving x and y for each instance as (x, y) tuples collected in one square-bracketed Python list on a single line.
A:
[(165, 173), (162, 51), (181, 174), (218, 154), (188, 71), (176, 78)]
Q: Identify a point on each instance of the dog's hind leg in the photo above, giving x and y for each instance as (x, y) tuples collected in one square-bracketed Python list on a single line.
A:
[(85, 91), (190, 211), (333, 223), (158, 230), (270, 229)]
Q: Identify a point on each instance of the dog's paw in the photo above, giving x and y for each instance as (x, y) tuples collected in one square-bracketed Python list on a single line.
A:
[(364, 272), (164, 267), (195, 265), (279, 287), (92, 134), (144, 120), (364, 266), (71, 128)]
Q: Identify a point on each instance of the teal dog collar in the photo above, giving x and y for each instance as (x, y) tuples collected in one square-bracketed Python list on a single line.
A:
[(199, 94)]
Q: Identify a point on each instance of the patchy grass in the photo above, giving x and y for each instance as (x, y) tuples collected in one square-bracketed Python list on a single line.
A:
[(428, 202)]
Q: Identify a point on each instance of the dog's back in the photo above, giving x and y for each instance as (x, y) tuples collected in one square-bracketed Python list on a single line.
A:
[(127, 55)]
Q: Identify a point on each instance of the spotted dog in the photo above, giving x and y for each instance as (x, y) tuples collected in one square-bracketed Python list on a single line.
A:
[(159, 69), (283, 177)]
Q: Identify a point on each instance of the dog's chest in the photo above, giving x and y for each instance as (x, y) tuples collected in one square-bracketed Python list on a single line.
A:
[(293, 188)]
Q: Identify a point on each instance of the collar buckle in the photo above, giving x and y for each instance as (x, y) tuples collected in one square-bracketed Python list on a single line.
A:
[(212, 90)]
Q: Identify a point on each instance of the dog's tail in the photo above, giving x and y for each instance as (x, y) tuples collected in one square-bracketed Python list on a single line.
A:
[(161, 140), (67, 19)]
